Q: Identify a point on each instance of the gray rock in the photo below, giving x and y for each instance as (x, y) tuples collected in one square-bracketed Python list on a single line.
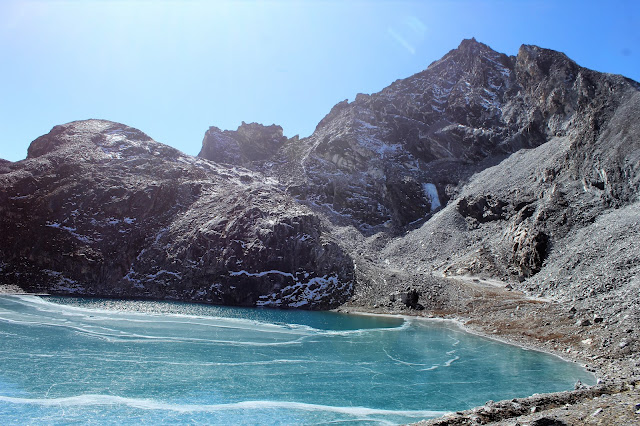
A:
[(548, 421), (251, 144), (410, 298)]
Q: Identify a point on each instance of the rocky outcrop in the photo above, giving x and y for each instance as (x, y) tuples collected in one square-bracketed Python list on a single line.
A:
[(529, 251), (98, 208), (482, 208), (251, 145), (5, 166)]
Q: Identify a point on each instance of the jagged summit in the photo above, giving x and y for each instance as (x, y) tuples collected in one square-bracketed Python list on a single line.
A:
[(468, 49)]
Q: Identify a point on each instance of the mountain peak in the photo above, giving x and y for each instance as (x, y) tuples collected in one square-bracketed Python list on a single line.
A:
[(80, 131), (469, 43), (468, 53), (472, 45)]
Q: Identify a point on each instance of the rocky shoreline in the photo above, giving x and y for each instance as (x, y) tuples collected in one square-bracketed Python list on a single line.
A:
[(12, 289), (613, 400)]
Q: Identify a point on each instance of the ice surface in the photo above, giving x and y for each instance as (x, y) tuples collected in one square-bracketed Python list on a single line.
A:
[(109, 361)]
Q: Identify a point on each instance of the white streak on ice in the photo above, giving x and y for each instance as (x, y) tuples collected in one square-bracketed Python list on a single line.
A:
[(149, 404)]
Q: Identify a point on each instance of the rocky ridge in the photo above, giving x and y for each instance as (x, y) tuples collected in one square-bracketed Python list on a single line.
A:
[(486, 165), (391, 159)]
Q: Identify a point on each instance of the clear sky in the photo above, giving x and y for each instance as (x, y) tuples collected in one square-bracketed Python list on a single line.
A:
[(174, 68)]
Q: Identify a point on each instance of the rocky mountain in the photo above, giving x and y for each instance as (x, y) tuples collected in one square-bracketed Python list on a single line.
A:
[(391, 159), (559, 219), (520, 168), (98, 208)]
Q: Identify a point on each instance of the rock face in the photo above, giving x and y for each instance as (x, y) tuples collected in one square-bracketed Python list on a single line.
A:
[(496, 164), (99, 208), (557, 219), (4, 165)]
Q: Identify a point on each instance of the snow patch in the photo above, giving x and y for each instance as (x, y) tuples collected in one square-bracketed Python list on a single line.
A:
[(260, 274), (72, 231), (366, 125), (64, 284), (316, 290), (160, 234), (242, 243), (136, 282), (376, 145), (301, 293), (163, 272), (431, 192)]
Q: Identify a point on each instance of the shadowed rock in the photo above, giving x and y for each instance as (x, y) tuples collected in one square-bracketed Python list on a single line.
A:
[(99, 208)]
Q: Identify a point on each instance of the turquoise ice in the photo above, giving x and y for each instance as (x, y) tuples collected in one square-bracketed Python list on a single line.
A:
[(66, 360)]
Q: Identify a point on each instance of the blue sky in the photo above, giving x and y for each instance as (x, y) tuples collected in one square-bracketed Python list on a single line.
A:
[(174, 68)]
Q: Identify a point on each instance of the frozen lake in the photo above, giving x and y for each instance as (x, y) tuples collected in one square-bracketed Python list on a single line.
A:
[(65, 360)]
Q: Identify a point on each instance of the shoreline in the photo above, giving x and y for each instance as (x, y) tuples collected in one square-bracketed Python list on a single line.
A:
[(460, 323), (511, 317), (457, 322)]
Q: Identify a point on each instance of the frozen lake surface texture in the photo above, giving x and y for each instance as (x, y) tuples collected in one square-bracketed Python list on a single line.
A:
[(66, 360)]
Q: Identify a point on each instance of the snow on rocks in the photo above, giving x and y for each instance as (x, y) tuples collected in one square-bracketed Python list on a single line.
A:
[(307, 294)]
